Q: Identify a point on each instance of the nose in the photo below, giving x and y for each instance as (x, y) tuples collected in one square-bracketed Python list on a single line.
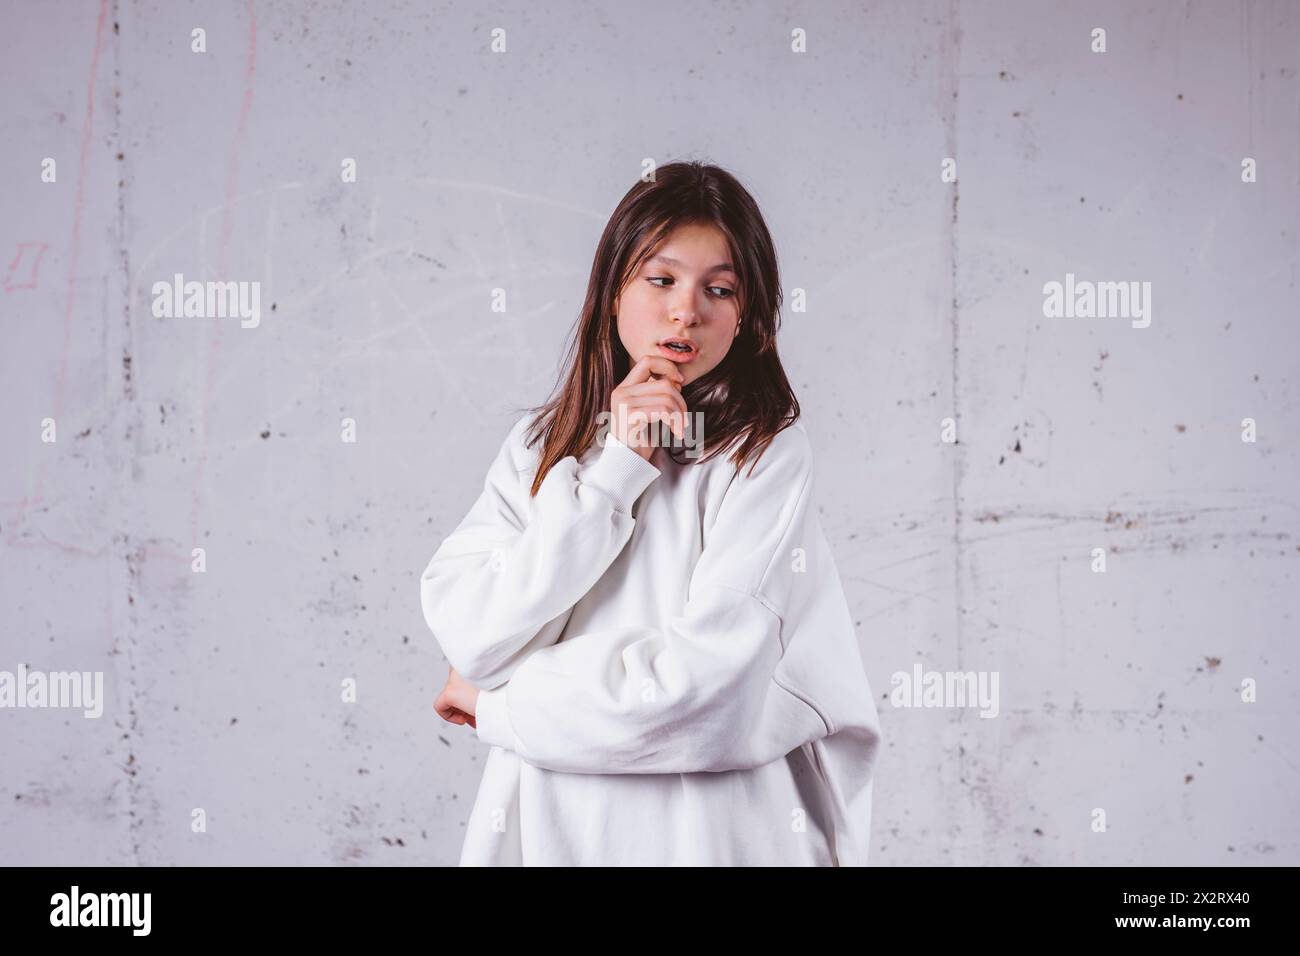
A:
[(682, 308), (685, 313)]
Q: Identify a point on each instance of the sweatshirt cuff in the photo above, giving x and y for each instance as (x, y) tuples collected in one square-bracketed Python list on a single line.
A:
[(492, 719), (621, 473)]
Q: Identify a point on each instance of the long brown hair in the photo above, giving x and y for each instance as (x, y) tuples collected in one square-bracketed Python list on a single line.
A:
[(746, 398)]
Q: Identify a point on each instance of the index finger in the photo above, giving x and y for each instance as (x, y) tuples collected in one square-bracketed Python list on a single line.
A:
[(650, 366)]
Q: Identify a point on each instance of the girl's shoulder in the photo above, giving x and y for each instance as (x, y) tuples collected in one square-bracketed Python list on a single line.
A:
[(789, 445), (786, 459)]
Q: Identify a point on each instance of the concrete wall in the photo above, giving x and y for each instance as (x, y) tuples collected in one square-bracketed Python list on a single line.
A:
[(477, 170)]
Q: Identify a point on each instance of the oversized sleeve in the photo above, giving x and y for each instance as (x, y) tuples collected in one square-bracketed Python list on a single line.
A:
[(700, 693), (516, 563)]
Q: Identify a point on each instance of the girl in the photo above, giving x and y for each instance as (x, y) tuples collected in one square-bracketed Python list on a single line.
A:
[(656, 645)]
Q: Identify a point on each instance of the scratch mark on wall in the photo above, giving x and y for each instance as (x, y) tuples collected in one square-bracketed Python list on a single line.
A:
[(25, 267)]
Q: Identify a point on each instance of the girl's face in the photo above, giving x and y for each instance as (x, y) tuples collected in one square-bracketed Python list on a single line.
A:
[(685, 292)]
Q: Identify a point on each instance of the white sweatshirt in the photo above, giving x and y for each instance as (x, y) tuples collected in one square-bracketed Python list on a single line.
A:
[(668, 669)]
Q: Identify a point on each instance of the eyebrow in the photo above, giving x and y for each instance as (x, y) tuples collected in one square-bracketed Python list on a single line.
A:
[(720, 267)]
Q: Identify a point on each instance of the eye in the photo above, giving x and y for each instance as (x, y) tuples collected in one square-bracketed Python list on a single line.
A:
[(719, 291)]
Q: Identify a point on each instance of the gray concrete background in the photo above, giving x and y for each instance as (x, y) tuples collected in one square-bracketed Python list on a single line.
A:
[(477, 170)]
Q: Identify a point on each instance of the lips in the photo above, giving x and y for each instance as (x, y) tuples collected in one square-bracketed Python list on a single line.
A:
[(678, 349)]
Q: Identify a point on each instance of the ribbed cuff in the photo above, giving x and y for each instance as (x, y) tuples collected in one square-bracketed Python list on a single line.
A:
[(621, 473), (492, 718)]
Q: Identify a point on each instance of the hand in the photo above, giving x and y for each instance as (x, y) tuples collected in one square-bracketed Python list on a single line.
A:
[(458, 701), (651, 392)]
